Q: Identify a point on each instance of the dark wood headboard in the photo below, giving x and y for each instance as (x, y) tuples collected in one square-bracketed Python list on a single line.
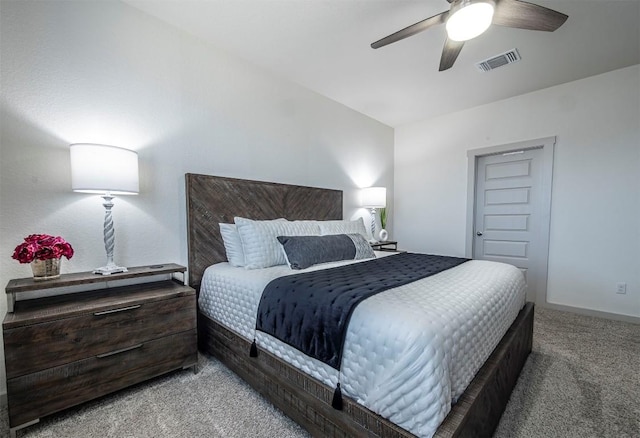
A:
[(213, 199)]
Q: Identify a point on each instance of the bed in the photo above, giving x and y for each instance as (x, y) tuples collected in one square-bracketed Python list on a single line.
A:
[(307, 398)]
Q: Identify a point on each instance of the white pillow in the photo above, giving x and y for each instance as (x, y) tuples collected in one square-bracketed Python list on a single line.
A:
[(232, 244), (343, 227), (259, 239)]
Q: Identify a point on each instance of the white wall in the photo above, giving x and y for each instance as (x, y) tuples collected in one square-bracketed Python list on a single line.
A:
[(595, 213), (105, 72)]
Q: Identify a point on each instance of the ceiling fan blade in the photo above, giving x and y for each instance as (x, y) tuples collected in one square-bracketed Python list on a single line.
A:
[(411, 30), (450, 53), (523, 15)]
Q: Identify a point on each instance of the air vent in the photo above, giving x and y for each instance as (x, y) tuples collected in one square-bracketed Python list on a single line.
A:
[(499, 60)]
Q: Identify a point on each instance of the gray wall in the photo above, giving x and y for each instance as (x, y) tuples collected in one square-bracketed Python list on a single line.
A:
[(107, 73), (595, 211)]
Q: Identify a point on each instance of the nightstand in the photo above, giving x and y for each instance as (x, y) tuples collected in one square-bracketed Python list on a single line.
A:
[(389, 245), (66, 349)]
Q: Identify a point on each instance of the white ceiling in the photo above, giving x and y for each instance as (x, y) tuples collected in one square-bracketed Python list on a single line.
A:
[(324, 45)]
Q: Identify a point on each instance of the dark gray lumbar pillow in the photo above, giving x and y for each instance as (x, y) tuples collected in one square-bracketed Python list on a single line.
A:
[(305, 251)]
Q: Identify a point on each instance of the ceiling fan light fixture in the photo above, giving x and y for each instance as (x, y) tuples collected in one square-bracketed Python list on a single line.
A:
[(469, 18)]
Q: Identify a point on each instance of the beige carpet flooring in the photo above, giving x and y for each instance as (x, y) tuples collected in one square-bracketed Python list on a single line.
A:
[(582, 380)]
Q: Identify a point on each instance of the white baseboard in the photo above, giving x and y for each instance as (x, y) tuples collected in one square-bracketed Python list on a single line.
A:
[(596, 313)]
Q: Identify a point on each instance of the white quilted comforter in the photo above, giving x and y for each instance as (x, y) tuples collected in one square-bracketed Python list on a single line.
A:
[(409, 352)]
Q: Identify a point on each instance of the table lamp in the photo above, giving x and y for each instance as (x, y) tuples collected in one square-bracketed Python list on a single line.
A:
[(374, 198), (108, 171)]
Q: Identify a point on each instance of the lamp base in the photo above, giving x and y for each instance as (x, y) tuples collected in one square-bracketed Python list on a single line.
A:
[(109, 269)]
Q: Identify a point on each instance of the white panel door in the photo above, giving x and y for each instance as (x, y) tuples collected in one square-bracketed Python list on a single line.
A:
[(508, 200)]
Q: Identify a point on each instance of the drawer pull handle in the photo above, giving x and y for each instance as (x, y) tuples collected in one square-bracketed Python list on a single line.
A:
[(123, 309), (122, 350)]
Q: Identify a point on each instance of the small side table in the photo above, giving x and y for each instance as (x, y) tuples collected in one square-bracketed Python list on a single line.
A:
[(389, 245)]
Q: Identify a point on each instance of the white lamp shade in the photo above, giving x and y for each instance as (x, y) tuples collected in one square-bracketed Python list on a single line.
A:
[(99, 168), (374, 197), (470, 20)]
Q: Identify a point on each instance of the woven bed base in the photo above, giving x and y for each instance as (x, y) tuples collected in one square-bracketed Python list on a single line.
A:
[(308, 401)]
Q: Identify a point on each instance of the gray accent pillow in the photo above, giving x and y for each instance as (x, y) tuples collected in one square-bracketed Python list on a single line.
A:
[(305, 251)]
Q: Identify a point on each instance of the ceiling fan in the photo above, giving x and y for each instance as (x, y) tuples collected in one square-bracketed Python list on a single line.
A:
[(467, 19)]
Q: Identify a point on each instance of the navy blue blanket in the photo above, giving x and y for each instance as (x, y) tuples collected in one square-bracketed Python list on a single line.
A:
[(311, 311)]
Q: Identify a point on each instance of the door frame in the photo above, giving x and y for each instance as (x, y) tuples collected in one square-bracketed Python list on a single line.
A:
[(547, 144)]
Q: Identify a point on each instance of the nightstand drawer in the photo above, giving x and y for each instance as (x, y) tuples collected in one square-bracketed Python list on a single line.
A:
[(36, 347), (35, 395)]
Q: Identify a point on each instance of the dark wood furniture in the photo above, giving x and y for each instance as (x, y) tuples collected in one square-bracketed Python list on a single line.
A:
[(389, 245), (69, 348), (211, 200)]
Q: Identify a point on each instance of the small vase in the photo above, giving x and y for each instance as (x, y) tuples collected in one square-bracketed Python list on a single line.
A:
[(45, 269), (383, 235)]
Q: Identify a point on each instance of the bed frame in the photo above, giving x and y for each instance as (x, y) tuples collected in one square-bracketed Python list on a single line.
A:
[(211, 200)]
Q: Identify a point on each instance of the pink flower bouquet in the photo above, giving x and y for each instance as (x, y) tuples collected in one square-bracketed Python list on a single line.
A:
[(42, 247)]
